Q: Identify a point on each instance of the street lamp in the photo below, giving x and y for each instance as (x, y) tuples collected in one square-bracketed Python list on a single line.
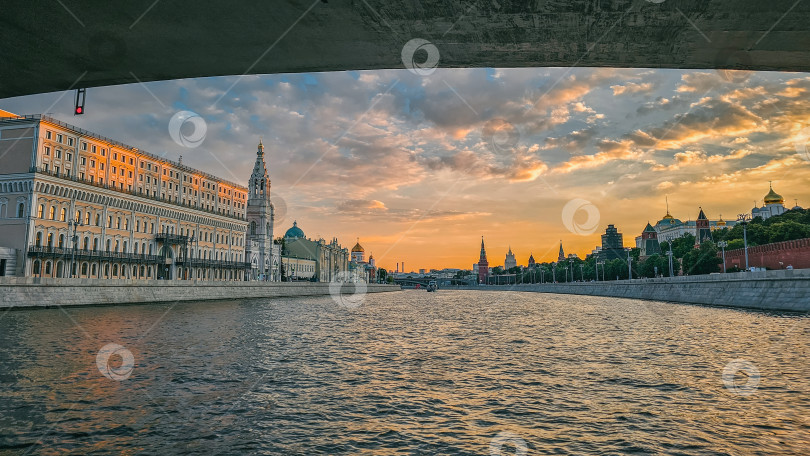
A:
[(669, 254), (581, 272), (629, 267), (723, 245), (571, 267), (743, 220), (553, 272), (72, 225)]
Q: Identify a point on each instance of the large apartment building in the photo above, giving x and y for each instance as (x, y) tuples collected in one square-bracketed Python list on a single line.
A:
[(77, 204)]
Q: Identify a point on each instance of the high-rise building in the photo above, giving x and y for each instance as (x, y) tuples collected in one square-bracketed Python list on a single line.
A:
[(509, 262), (612, 245)]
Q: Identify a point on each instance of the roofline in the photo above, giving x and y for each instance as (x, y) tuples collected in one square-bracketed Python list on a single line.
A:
[(83, 132)]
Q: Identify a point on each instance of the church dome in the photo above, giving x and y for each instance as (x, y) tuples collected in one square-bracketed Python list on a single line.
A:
[(294, 232), (774, 198), (357, 247), (721, 222)]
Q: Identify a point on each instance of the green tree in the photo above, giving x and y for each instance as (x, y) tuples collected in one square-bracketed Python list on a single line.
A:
[(703, 260)]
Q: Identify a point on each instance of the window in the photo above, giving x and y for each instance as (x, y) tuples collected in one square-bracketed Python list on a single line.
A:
[(98, 219), (141, 165), (58, 153), (83, 161), (69, 156), (77, 216), (59, 138), (118, 223), (61, 241), (115, 156), (103, 152), (108, 245), (52, 213), (47, 151), (101, 166), (47, 135), (37, 267), (70, 141), (113, 169), (92, 163), (87, 218), (253, 228), (125, 247), (84, 145), (86, 243), (117, 244), (50, 240), (95, 244), (40, 211), (62, 214), (123, 158), (130, 174), (126, 224), (109, 221), (39, 239)]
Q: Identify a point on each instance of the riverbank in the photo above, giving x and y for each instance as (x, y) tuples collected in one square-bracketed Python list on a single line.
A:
[(35, 292), (767, 290)]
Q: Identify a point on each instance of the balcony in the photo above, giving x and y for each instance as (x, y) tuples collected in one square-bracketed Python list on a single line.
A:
[(172, 239), (138, 193), (91, 255)]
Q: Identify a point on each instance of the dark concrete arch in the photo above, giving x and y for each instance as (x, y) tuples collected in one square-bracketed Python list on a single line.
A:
[(106, 43)]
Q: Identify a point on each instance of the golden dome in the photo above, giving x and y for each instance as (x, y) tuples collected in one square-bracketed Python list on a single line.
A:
[(357, 247), (721, 222), (773, 198)]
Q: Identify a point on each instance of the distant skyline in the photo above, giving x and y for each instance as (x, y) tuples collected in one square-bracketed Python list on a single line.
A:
[(420, 167)]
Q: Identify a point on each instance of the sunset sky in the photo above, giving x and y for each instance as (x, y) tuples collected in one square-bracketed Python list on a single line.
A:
[(420, 167)]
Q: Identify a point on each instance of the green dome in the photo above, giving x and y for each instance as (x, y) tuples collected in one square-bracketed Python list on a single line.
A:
[(294, 232)]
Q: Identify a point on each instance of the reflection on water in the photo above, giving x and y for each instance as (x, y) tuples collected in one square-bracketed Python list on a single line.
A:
[(406, 373)]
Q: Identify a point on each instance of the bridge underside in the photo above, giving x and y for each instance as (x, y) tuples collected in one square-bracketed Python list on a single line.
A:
[(48, 46)]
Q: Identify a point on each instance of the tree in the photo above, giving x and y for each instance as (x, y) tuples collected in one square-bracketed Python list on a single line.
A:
[(382, 274), (283, 272), (703, 260)]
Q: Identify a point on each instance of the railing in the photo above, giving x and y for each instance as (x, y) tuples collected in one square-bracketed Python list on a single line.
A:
[(98, 255), (138, 193), (91, 255), (199, 263)]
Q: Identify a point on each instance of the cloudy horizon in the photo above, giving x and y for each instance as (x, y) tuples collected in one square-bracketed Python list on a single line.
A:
[(420, 167)]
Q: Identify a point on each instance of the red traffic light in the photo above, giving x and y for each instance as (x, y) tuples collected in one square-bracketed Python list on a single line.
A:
[(78, 106)]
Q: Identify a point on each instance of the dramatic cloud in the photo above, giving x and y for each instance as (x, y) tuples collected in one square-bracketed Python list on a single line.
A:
[(420, 167)]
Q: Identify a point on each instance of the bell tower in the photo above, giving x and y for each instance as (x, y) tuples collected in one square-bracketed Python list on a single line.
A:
[(260, 214)]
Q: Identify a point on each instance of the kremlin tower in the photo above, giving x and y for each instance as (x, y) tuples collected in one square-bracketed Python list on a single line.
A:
[(483, 264)]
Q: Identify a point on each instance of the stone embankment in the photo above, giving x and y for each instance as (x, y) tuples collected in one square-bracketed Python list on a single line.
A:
[(35, 292), (768, 290)]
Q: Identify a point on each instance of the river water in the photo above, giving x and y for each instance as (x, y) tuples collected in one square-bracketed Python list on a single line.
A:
[(453, 372)]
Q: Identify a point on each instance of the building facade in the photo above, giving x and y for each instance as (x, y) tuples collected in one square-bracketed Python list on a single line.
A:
[(774, 205), (330, 258), (77, 204)]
